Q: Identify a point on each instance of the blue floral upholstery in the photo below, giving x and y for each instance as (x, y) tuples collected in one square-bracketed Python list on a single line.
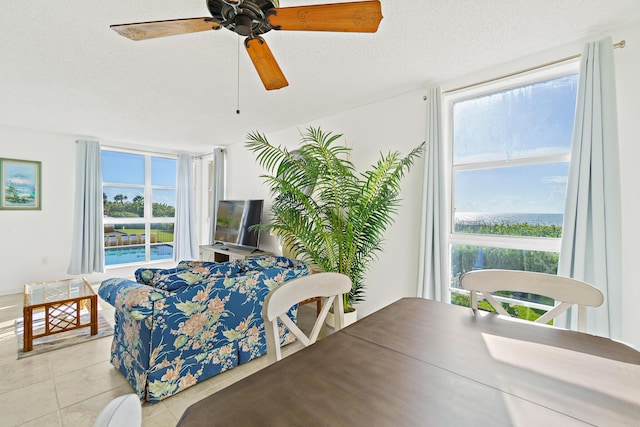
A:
[(186, 273), (170, 335)]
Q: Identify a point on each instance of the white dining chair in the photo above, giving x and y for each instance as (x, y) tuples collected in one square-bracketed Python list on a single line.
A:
[(564, 290), (123, 411), (329, 286)]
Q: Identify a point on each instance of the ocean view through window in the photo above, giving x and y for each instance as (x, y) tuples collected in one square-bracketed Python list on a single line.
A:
[(139, 199), (509, 161)]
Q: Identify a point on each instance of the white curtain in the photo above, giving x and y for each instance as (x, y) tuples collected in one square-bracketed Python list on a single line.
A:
[(591, 234), (186, 239), (217, 187), (432, 274), (87, 246)]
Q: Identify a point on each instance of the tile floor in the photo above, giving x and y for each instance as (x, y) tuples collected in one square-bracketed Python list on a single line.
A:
[(70, 386)]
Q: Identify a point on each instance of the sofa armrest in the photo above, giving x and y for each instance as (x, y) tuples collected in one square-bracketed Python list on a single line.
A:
[(133, 299)]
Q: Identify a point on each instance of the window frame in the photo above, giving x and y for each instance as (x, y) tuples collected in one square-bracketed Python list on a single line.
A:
[(448, 100), (147, 219)]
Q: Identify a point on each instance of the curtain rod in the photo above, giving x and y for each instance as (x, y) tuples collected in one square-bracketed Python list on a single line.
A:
[(621, 44), (200, 156)]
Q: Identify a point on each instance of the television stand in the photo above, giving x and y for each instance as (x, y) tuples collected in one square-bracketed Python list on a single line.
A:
[(221, 253)]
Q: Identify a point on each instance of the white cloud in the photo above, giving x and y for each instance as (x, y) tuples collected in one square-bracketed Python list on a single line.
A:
[(554, 179)]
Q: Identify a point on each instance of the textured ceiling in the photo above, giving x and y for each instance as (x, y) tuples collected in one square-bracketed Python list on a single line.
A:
[(63, 70)]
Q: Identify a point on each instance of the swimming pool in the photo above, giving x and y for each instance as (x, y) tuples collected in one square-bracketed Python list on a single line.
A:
[(127, 255)]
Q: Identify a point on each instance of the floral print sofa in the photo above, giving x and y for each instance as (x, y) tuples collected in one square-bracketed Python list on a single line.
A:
[(177, 327)]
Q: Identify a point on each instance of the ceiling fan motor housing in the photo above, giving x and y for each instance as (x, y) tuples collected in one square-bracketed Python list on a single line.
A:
[(246, 17)]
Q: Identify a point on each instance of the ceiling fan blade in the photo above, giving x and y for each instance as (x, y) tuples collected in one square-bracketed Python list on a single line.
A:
[(360, 17), (268, 69), (172, 27)]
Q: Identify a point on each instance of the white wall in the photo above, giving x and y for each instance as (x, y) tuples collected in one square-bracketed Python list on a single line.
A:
[(36, 244)]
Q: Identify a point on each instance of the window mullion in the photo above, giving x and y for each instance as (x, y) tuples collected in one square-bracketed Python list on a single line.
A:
[(554, 158), (507, 242), (148, 204)]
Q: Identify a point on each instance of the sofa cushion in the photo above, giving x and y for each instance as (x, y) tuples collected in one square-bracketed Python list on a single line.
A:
[(147, 276), (268, 261), (208, 268), (186, 273)]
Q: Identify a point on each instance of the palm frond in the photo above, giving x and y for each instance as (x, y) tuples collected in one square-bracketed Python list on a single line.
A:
[(323, 209)]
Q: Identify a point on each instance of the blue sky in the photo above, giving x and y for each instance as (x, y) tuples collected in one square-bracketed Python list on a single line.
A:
[(126, 168), (536, 120), (524, 189)]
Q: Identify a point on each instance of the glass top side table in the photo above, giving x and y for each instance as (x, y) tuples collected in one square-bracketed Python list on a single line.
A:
[(62, 302)]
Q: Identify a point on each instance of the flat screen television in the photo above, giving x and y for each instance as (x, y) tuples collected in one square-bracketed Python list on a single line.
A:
[(233, 222)]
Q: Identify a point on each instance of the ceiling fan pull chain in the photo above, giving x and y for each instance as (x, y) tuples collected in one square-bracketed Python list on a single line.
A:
[(238, 79)]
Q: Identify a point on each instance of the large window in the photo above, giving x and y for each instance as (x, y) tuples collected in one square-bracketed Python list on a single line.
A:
[(510, 147), (139, 198)]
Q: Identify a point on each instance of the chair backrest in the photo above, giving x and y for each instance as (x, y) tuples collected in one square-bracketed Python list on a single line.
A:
[(123, 411), (329, 286), (564, 290)]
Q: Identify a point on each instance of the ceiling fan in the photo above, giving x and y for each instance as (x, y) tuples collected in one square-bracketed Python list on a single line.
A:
[(251, 18)]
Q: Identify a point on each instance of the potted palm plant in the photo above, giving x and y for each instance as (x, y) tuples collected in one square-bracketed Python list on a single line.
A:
[(325, 212)]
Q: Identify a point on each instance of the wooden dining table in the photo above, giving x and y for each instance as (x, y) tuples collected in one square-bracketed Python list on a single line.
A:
[(418, 362)]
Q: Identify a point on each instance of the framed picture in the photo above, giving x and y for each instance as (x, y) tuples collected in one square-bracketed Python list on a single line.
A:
[(20, 184)]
